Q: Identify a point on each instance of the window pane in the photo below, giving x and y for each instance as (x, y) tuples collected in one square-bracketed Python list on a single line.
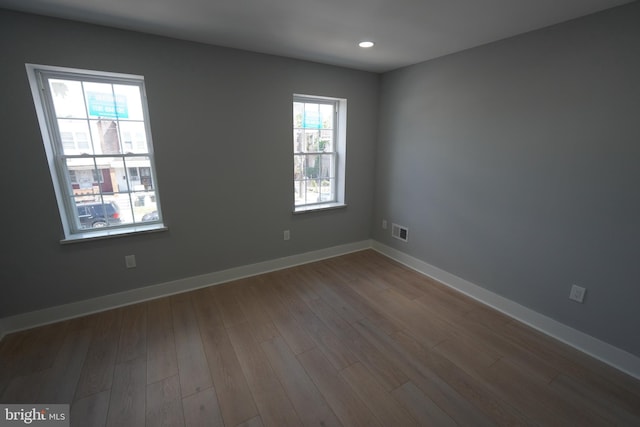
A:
[(139, 174), (298, 112), (129, 96), (298, 166), (327, 193), (311, 118), (325, 166), (105, 135), (67, 141), (74, 135), (311, 138), (103, 104), (80, 173), (68, 99), (98, 212), (133, 137), (298, 140), (300, 190), (326, 141), (326, 115), (82, 141), (310, 166), (145, 208)]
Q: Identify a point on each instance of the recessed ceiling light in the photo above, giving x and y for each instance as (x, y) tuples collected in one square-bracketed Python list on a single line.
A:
[(366, 44)]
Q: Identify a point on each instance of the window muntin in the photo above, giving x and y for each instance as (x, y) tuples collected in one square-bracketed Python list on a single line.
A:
[(85, 116), (318, 152)]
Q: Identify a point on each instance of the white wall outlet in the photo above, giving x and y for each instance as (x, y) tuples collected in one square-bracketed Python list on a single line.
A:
[(384, 224), (577, 293), (286, 235), (130, 261)]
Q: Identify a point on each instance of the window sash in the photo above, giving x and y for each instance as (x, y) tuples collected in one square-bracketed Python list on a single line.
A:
[(302, 180), (67, 179)]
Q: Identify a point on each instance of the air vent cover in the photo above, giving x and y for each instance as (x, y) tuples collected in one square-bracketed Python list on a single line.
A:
[(400, 232)]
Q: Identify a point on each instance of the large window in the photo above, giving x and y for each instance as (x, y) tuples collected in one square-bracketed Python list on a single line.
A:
[(319, 147), (96, 133)]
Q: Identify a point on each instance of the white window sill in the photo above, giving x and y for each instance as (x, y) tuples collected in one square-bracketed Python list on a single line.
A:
[(318, 207), (113, 233)]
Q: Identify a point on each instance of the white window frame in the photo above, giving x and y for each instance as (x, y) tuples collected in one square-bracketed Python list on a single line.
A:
[(339, 153), (73, 232)]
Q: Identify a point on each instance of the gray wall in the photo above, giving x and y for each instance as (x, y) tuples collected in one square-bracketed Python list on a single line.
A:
[(221, 122), (516, 166)]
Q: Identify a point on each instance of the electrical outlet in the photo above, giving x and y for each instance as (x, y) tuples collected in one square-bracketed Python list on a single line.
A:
[(130, 261), (384, 224), (577, 293), (286, 235)]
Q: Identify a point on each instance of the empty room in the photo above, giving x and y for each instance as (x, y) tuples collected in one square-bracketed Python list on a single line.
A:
[(320, 213)]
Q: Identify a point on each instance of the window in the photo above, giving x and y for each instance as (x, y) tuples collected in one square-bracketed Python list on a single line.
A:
[(319, 148), (86, 119)]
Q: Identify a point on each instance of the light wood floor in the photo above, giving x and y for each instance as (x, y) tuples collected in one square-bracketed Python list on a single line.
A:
[(354, 340)]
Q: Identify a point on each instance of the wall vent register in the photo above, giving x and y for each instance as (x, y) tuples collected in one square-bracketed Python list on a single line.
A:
[(400, 232)]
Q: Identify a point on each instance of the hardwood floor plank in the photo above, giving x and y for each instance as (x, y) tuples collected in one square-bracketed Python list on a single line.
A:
[(387, 410), (436, 388), (327, 293), (234, 396), (385, 371), (227, 304), (38, 348), (299, 276), (25, 388), (62, 378), (428, 330), (164, 404), (540, 402), (359, 303), (495, 343), (466, 354), (471, 388), (339, 355), (339, 395), (253, 422), (292, 332), (127, 403), (133, 336), (201, 409), (91, 411), (421, 408), (604, 404), (9, 355), (273, 404), (254, 312), (97, 372), (192, 362), (305, 397), (162, 360), (575, 363)]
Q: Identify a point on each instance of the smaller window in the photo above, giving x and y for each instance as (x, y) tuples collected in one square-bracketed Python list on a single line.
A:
[(319, 152)]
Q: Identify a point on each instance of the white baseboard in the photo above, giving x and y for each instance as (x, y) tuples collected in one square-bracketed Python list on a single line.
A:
[(607, 353), (81, 308)]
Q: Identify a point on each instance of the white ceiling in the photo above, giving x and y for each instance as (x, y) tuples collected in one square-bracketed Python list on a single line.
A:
[(328, 31)]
